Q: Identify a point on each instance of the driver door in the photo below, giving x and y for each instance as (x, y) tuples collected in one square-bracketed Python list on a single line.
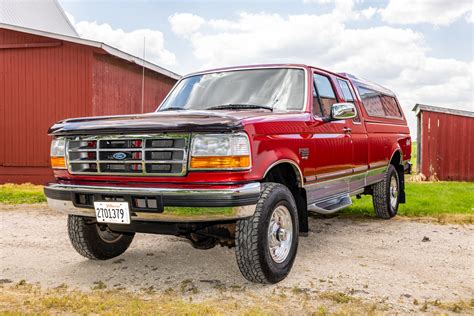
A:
[(331, 143)]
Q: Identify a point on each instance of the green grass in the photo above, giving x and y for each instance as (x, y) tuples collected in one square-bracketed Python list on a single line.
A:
[(426, 199), (413, 157), (21, 194)]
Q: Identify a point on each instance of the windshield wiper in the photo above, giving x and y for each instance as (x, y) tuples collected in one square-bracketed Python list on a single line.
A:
[(239, 106), (172, 108)]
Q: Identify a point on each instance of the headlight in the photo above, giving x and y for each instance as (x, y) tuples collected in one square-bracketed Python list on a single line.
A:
[(220, 151), (58, 151)]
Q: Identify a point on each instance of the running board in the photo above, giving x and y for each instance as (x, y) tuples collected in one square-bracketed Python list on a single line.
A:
[(331, 205)]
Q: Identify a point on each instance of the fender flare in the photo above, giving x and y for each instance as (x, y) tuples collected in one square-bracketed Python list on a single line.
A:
[(399, 150), (299, 173)]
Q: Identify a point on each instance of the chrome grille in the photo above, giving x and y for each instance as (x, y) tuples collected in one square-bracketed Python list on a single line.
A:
[(162, 154)]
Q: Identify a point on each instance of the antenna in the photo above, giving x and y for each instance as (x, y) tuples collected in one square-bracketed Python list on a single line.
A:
[(143, 75)]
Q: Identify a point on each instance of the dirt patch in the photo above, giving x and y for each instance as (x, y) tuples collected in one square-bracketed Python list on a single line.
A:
[(343, 262)]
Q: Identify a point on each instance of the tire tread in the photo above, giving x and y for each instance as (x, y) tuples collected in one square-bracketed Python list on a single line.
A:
[(380, 196), (86, 241), (249, 258)]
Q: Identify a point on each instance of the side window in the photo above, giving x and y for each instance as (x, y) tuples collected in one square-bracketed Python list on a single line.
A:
[(324, 94), (390, 106), (347, 94), (317, 109), (346, 91), (377, 104), (372, 102), (316, 104)]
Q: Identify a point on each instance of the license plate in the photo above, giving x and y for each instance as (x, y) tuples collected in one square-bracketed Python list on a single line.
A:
[(112, 212)]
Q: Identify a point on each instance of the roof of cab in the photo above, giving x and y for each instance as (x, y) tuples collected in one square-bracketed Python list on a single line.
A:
[(368, 84)]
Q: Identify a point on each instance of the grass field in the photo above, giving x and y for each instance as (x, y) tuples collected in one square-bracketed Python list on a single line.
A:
[(426, 199), (21, 194)]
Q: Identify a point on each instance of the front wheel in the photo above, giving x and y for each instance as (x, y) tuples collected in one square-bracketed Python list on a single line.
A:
[(386, 194), (95, 241), (267, 242)]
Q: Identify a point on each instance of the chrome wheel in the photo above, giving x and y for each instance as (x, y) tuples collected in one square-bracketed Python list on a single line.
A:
[(280, 234), (393, 191), (107, 235)]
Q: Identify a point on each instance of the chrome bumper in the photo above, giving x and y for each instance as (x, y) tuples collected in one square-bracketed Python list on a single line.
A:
[(178, 205)]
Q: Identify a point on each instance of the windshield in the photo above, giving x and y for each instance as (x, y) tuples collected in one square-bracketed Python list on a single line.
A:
[(277, 89)]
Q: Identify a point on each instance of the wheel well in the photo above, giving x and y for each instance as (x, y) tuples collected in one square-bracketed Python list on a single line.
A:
[(288, 175), (283, 173), (396, 159)]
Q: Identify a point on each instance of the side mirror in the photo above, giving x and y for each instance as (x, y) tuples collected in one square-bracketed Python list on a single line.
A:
[(343, 111)]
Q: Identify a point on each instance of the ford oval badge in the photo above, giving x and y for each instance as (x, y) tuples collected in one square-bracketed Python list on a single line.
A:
[(119, 156)]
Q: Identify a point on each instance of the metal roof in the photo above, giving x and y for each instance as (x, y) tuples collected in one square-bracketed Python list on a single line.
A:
[(423, 107), (109, 49), (45, 15)]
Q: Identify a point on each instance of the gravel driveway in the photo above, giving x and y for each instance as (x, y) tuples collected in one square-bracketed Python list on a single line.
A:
[(396, 261)]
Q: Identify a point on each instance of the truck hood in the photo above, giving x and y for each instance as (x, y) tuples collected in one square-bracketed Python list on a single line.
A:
[(171, 121)]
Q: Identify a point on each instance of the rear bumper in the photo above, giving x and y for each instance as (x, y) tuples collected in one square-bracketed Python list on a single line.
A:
[(173, 205)]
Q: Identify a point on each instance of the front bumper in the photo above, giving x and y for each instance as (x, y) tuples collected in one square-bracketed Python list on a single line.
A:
[(173, 204)]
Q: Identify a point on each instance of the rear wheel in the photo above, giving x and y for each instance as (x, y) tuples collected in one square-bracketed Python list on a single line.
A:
[(95, 241), (386, 194), (267, 242)]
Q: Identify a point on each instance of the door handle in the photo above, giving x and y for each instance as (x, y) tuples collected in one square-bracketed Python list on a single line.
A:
[(347, 130)]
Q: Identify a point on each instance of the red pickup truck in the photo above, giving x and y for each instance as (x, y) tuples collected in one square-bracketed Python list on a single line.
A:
[(236, 157)]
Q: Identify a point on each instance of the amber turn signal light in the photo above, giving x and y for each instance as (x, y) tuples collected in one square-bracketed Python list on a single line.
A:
[(58, 162), (220, 162)]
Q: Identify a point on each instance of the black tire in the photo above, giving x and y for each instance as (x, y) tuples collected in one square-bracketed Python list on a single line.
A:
[(252, 243), (382, 194), (90, 243)]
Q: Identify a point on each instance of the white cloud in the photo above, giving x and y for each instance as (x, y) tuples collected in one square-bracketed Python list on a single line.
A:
[(395, 57), (130, 42), (470, 17), (185, 23), (369, 12), (436, 12)]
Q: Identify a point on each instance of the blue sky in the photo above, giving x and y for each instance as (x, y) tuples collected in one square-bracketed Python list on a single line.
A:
[(451, 41), (421, 49)]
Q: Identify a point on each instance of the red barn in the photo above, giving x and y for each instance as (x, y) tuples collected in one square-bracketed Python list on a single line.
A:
[(45, 77), (445, 143)]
